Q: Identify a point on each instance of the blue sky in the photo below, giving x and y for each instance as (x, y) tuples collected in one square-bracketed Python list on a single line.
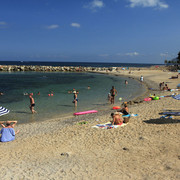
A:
[(133, 31)]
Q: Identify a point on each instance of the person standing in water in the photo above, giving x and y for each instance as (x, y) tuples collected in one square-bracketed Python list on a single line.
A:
[(113, 92), (32, 103), (75, 98)]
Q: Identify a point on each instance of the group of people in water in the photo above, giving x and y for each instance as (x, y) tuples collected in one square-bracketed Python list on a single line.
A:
[(8, 133)]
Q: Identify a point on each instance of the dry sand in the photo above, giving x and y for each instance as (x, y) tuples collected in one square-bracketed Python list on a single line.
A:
[(147, 148)]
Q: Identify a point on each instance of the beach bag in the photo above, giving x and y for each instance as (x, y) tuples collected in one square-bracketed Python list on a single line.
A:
[(126, 119)]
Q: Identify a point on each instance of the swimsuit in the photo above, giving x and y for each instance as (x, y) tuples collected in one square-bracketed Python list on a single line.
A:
[(125, 112), (32, 105)]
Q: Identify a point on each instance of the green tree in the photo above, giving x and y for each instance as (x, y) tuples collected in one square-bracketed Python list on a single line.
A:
[(178, 56), (166, 61)]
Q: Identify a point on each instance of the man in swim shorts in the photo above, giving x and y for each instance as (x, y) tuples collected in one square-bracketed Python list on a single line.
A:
[(32, 103), (7, 132), (75, 98)]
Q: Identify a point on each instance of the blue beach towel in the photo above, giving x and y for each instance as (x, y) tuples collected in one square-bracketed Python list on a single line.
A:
[(130, 115)]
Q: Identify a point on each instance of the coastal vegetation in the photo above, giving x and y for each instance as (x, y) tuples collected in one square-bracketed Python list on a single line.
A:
[(173, 64), (174, 61)]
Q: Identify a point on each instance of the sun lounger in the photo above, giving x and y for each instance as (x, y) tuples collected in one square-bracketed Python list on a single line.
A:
[(169, 114)]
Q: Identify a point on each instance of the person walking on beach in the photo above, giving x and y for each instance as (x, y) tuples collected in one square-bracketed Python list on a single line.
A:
[(7, 132), (32, 103), (113, 92), (141, 78)]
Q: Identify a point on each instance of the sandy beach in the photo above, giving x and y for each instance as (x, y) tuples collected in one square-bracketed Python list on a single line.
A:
[(147, 148)]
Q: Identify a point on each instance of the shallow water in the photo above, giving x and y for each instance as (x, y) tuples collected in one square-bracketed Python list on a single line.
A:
[(14, 85)]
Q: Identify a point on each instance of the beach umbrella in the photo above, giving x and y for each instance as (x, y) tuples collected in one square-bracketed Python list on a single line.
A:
[(177, 97), (3, 111)]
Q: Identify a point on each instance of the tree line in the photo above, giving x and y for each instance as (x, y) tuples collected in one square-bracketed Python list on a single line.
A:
[(174, 61)]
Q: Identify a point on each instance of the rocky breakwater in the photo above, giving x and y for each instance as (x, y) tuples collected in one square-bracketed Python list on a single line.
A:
[(57, 68)]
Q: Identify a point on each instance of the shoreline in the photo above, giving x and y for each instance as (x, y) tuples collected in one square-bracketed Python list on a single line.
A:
[(102, 106), (146, 148)]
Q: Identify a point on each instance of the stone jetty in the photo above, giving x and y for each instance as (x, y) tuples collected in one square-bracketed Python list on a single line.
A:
[(57, 68), (70, 68)]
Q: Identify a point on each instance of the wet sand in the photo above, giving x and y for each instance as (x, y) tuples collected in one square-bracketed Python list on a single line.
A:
[(146, 148)]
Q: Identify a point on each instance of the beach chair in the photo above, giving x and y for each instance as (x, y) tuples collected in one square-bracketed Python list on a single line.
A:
[(169, 114)]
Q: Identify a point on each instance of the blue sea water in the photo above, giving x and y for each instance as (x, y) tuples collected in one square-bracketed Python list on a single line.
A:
[(15, 85)]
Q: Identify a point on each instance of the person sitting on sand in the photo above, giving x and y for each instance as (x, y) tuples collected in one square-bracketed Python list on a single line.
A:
[(117, 118), (7, 132), (124, 110), (165, 88)]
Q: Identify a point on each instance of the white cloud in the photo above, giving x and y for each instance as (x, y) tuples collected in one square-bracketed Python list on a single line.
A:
[(104, 55), (164, 54), (148, 3), (3, 25), (132, 54), (53, 26), (95, 4), (77, 25)]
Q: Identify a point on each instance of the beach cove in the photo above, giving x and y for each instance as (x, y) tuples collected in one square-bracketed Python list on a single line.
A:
[(53, 93), (146, 148)]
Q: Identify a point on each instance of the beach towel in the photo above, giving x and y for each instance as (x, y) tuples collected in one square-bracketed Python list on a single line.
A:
[(108, 125), (130, 115)]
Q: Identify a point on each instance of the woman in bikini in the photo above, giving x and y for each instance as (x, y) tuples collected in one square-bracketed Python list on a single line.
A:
[(117, 118), (113, 92)]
